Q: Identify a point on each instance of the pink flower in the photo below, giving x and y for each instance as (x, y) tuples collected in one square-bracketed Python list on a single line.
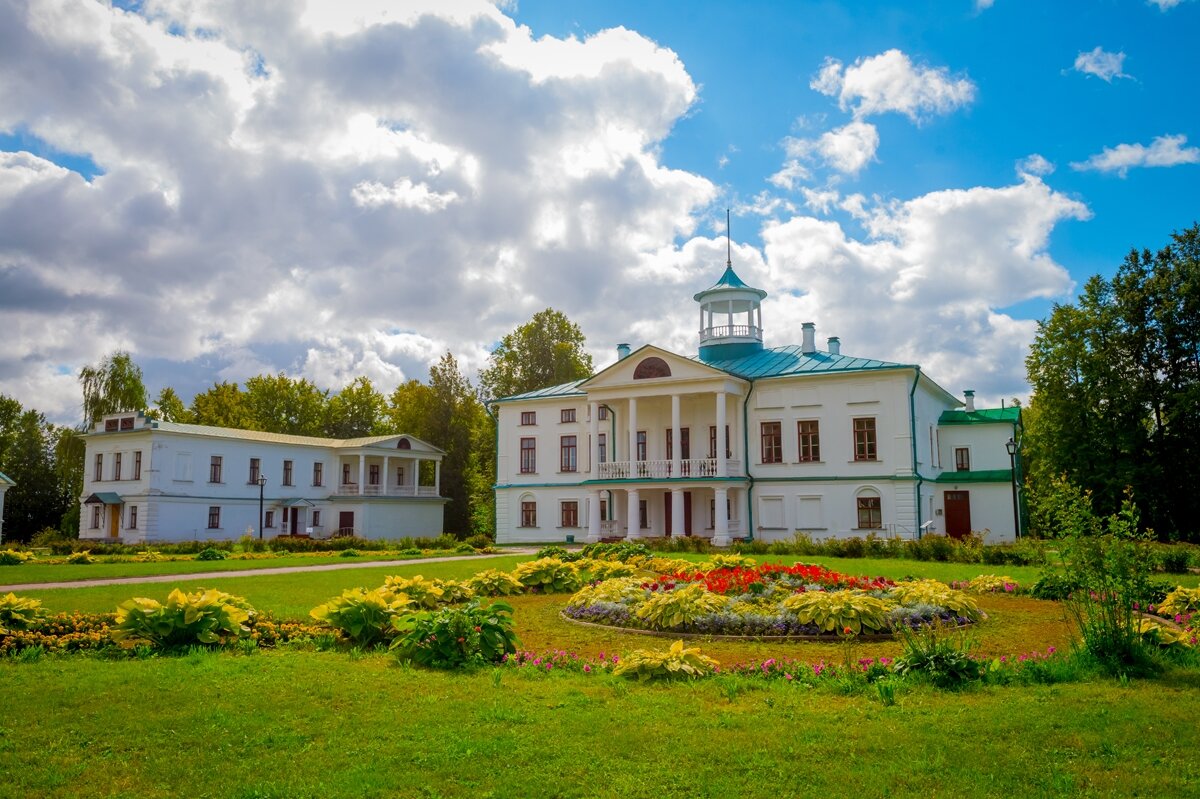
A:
[(1051, 651), (587, 669), (787, 677)]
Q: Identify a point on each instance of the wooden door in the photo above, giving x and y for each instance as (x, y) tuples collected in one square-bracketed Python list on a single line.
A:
[(667, 513), (114, 520), (958, 513), (346, 522), (294, 526)]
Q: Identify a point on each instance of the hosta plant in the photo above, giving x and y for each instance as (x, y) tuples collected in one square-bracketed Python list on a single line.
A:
[(660, 565), (148, 556), (456, 637), (81, 557), (991, 583), (728, 562), (202, 617), (836, 611), (591, 569), (548, 574), (1161, 634), (617, 589), (1179, 602), (19, 613), (932, 592), (429, 593), (673, 609), (678, 662), (14, 557), (493, 582), (365, 617)]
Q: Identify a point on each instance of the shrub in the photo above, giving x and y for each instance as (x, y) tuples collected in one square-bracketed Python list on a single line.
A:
[(834, 611), (19, 613), (672, 664), (13, 557), (932, 592), (622, 551), (1052, 585), (410, 551), (429, 593), (48, 536), (458, 637), (1179, 602), (202, 617), (548, 574), (493, 582), (1174, 560), (465, 548), (211, 553), (148, 556), (249, 543), (365, 617), (480, 541), (348, 553), (552, 552), (673, 609), (942, 658), (854, 548), (81, 557), (934, 547)]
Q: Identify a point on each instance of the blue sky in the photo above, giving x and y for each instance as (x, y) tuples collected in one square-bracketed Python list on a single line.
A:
[(354, 187)]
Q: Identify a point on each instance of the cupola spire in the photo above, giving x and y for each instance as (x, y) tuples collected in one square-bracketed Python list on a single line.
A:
[(730, 313)]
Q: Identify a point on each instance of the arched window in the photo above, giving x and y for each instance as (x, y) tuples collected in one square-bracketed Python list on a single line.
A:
[(528, 511), (869, 507), (403, 444), (651, 367)]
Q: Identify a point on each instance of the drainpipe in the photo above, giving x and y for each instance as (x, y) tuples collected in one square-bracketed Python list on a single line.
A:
[(612, 453), (487, 407), (912, 420), (746, 456)]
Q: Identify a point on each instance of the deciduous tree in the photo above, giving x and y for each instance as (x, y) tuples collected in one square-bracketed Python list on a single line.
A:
[(545, 351)]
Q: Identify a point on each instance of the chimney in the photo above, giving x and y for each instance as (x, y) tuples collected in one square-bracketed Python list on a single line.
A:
[(970, 395), (835, 345), (809, 345), (622, 352)]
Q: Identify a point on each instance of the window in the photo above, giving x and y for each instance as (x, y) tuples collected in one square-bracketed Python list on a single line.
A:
[(318, 473), (864, 440), (110, 425), (643, 514), (287, 473), (712, 442), (214, 518), (255, 469), (127, 423), (528, 418), (214, 469), (870, 516), (117, 466), (566, 415), (567, 453), (603, 413), (399, 475), (316, 518), (270, 522), (809, 434), (528, 514), (373, 474), (345, 474), (133, 517), (137, 465), (650, 368), (603, 448), (528, 457), (685, 444), (772, 442), (97, 511), (98, 472), (962, 459), (603, 509), (641, 445), (570, 513)]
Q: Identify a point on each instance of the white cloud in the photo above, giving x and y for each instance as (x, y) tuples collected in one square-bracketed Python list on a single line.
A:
[(1036, 165), (983, 5), (402, 194), (891, 82), (1163, 5), (846, 149), (1163, 151), (1103, 65)]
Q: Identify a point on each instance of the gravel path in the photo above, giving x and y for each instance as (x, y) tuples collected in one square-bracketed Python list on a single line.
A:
[(323, 567)]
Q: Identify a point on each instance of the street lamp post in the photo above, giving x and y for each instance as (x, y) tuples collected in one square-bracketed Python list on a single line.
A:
[(262, 481), (1011, 446)]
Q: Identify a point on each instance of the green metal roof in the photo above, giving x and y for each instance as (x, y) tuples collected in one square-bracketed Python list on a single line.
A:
[(104, 498), (4, 478), (984, 476), (277, 438), (729, 280), (981, 416), (550, 392), (781, 361)]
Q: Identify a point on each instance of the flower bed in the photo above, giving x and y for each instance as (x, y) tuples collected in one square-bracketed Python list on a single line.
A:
[(768, 601)]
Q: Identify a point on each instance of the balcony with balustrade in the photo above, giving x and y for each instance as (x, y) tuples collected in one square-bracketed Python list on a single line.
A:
[(693, 468)]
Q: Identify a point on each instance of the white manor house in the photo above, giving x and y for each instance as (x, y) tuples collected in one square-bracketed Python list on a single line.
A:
[(745, 442), (151, 480)]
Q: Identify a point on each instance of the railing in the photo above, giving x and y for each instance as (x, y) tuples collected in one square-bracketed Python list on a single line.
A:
[(351, 490), (731, 331), (664, 469)]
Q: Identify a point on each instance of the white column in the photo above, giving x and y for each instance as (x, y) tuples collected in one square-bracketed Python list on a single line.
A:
[(593, 535), (721, 525), (632, 422), (437, 478), (634, 526), (676, 449), (362, 473), (729, 310), (416, 480), (677, 511), (702, 320), (722, 465), (384, 486), (594, 429)]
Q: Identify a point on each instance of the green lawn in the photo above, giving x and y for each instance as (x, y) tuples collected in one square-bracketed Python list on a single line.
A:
[(290, 724), (35, 572)]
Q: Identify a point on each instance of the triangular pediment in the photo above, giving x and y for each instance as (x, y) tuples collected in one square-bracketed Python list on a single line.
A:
[(651, 365)]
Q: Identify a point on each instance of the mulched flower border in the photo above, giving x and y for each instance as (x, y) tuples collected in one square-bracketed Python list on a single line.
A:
[(826, 638)]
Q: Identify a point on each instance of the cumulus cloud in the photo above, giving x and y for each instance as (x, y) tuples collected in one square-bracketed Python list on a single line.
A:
[(846, 149), (1164, 5), (1034, 164), (1163, 151), (890, 81), (1103, 65)]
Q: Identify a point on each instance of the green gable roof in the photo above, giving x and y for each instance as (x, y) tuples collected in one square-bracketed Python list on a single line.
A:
[(983, 476), (981, 416), (785, 361), (550, 392)]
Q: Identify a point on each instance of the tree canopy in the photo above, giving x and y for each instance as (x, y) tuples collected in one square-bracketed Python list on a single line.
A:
[(111, 386), (545, 351)]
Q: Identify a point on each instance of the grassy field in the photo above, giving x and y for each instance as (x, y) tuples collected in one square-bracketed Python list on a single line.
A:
[(308, 724)]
